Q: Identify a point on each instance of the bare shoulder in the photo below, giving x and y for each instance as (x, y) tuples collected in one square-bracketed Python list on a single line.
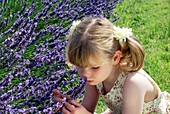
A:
[(141, 83), (134, 90), (137, 84), (138, 81)]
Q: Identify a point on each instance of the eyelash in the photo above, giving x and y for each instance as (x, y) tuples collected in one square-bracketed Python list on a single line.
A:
[(95, 67)]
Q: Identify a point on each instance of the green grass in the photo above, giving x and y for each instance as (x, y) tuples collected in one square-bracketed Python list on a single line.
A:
[(150, 21)]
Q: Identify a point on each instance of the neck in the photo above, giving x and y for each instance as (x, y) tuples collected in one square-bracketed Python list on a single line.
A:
[(113, 76), (109, 82)]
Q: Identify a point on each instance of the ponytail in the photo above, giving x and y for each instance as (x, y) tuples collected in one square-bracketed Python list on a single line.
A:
[(133, 55)]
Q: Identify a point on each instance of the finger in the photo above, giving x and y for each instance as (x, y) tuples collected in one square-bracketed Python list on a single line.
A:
[(69, 106), (65, 111), (56, 92), (57, 100), (75, 103), (66, 96)]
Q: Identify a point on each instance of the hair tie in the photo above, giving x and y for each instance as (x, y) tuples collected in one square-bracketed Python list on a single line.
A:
[(122, 33)]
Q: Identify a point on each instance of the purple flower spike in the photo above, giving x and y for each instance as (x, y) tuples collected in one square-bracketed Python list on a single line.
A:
[(32, 53)]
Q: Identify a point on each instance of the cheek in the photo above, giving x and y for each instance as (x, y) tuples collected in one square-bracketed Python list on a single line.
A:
[(107, 70)]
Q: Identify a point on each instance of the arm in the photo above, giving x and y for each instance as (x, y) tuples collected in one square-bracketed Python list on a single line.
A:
[(134, 90), (91, 98)]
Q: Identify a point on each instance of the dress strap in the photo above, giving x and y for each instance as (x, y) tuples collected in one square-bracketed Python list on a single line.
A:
[(99, 88)]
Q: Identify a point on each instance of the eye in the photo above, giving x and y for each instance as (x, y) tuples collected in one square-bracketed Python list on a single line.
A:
[(97, 67)]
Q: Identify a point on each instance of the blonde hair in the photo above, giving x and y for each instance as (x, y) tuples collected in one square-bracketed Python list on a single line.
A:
[(93, 39)]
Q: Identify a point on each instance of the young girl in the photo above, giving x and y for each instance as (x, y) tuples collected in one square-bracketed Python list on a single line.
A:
[(111, 59)]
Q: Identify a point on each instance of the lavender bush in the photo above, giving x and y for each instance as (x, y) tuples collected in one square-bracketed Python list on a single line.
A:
[(32, 52)]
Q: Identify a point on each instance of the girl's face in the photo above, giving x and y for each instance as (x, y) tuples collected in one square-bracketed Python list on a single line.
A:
[(96, 74)]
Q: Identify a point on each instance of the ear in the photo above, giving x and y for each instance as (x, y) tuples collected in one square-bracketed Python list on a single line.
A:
[(116, 57)]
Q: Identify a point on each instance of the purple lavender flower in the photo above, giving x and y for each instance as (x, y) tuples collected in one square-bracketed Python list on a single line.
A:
[(32, 53)]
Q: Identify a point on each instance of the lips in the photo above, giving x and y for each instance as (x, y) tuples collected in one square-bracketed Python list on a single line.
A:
[(89, 81)]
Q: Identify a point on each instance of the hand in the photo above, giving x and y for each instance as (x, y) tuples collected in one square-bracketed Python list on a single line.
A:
[(73, 107), (59, 96)]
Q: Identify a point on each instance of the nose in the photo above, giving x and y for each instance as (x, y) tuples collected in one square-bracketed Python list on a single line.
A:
[(84, 72)]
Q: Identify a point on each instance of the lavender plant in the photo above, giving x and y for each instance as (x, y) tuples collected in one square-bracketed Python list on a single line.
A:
[(32, 53)]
